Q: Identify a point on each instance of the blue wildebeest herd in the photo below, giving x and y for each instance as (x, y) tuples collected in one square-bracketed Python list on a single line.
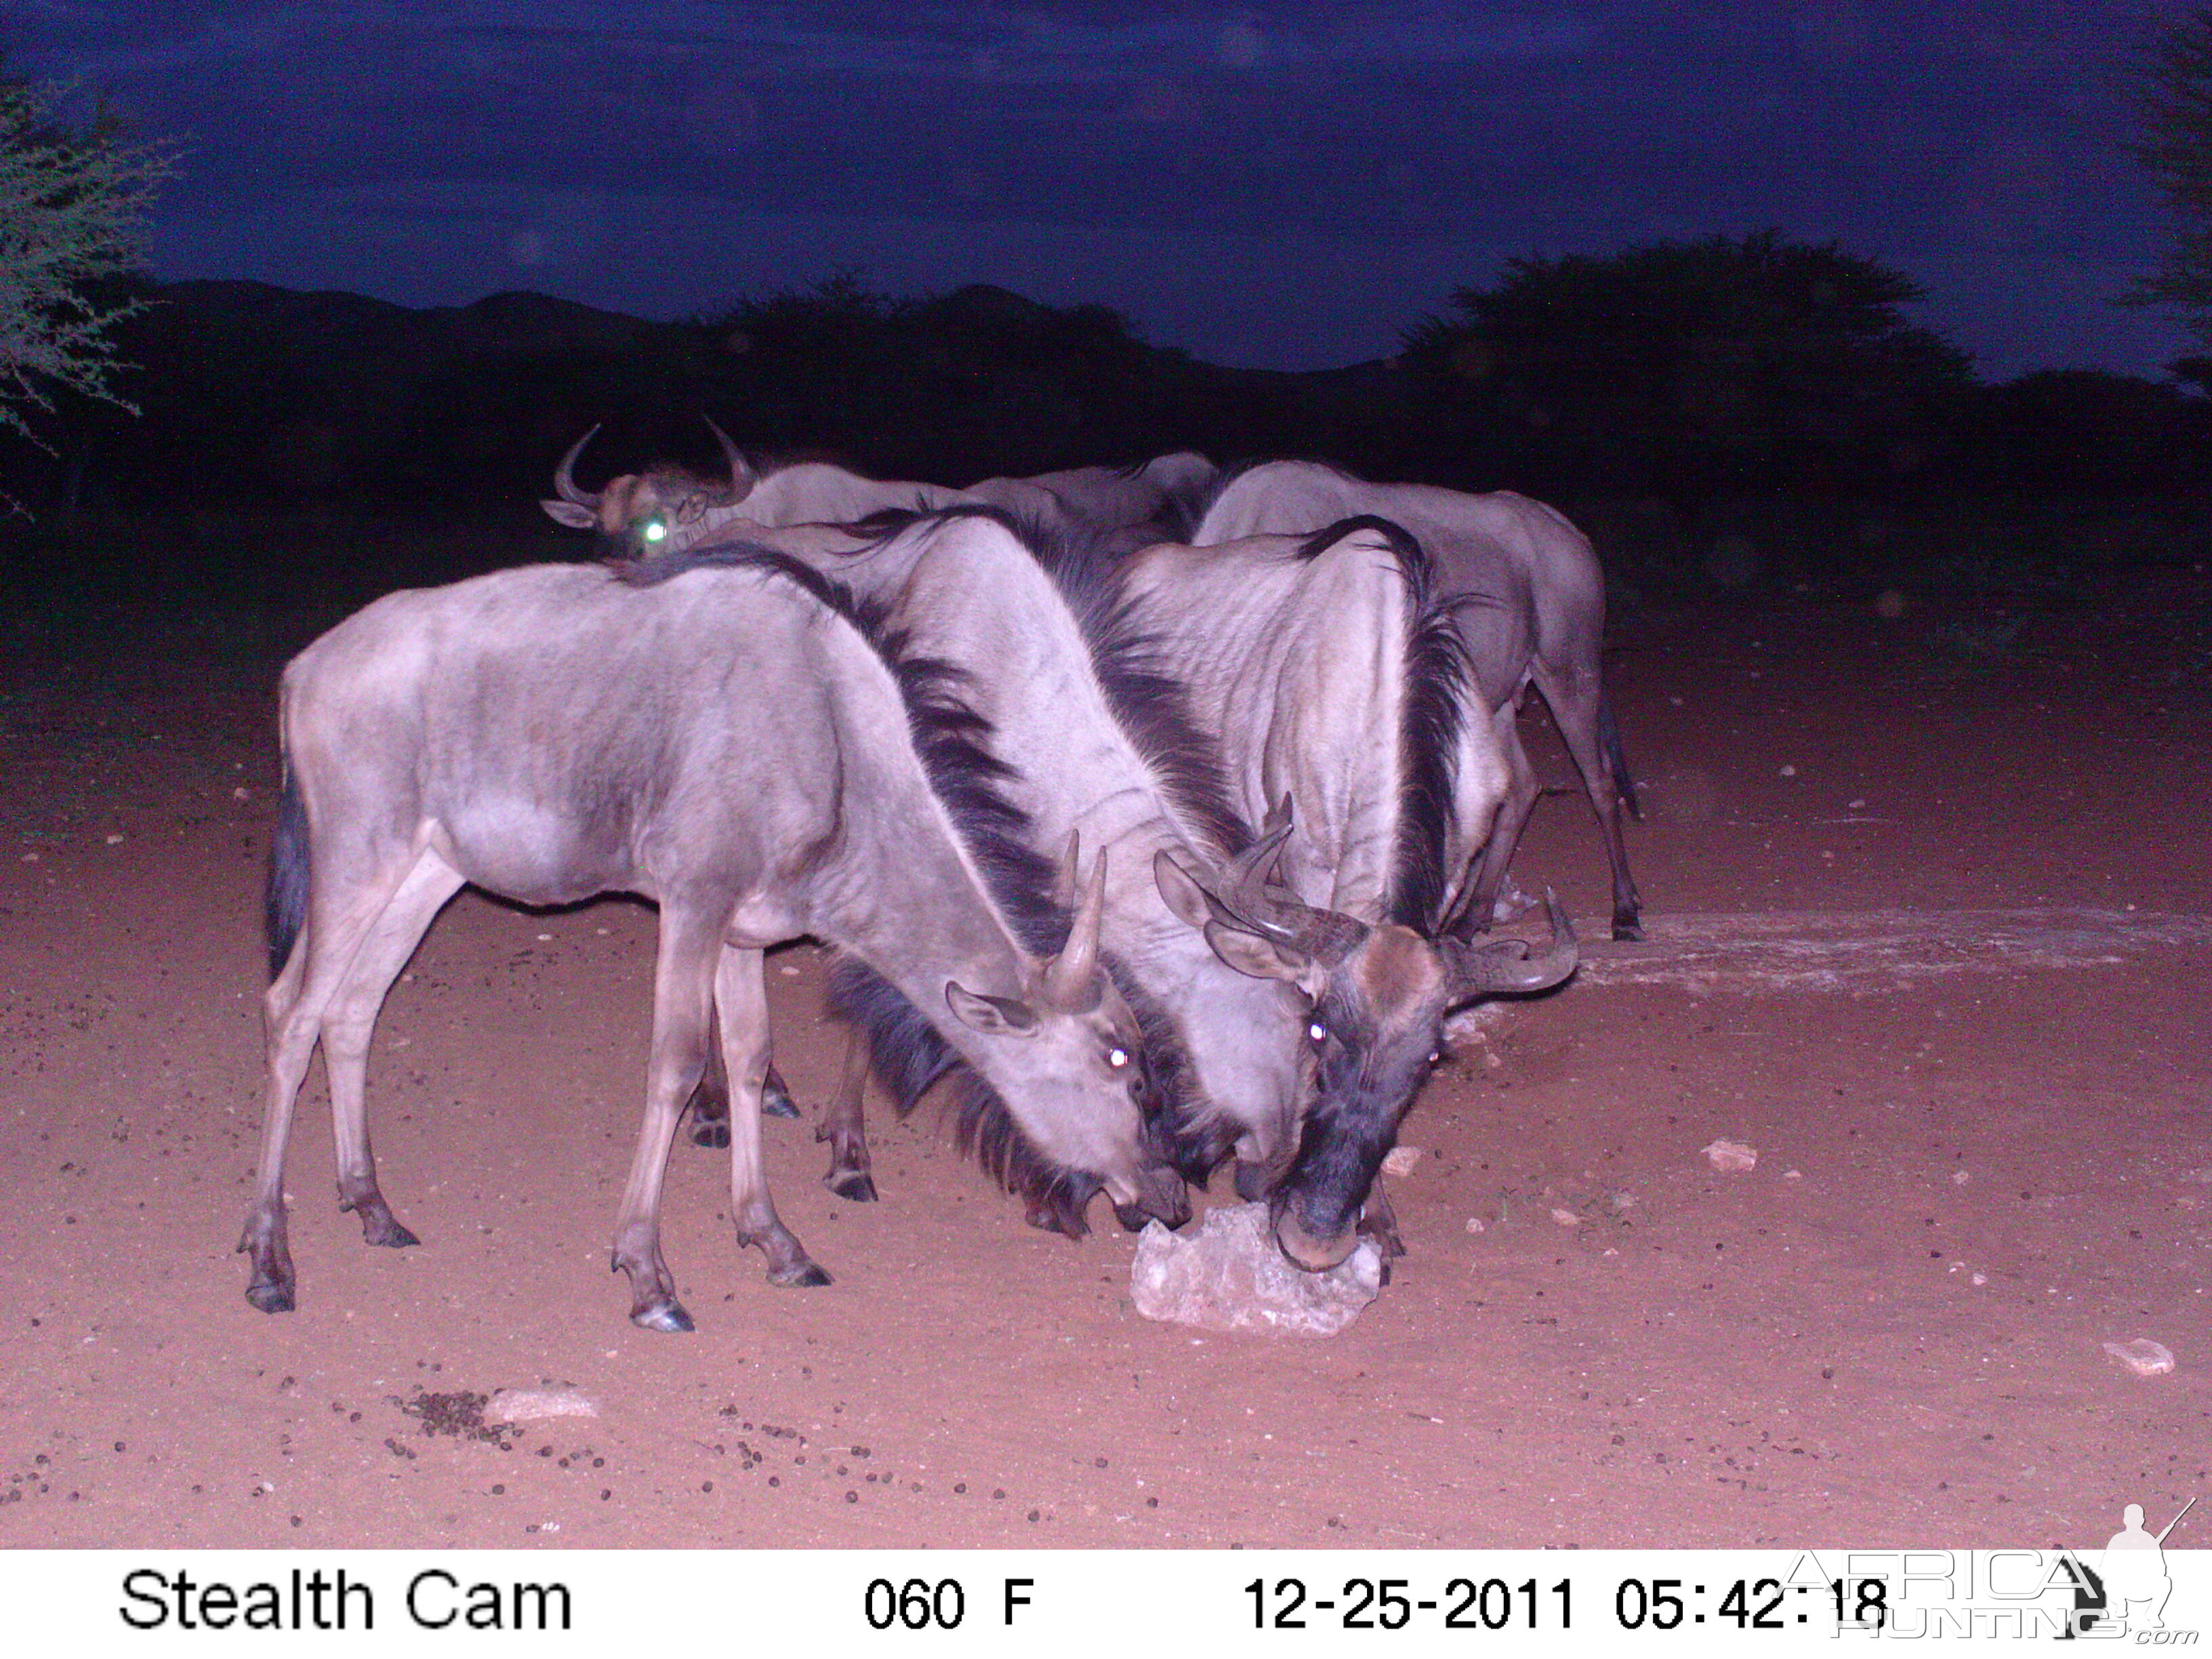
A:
[(1160, 813)]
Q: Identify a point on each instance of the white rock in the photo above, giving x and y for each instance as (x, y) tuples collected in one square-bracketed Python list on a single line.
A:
[(1475, 1224), (1566, 1218), (1400, 1160), (2143, 1356), (528, 1405), (1229, 1275), (1731, 1156)]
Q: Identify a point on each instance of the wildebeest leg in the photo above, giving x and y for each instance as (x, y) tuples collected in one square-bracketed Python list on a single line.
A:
[(741, 995), (342, 912), (709, 1105), (1521, 793), (347, 1023), (844, 1126), (291, 1042), (1379, 1222), (683, 1009), (1577, 702)]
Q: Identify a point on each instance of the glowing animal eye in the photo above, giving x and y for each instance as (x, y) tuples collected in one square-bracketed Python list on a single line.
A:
[(654, 530), (1317, 1031), (1436, 1057), (1117, 1058)]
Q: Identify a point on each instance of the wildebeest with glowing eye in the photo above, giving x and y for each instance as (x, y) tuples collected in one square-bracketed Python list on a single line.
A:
[(1331, 675), (669, 509), (744, 746)]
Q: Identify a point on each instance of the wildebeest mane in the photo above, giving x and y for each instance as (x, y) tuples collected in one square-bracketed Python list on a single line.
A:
[(910, 1055), (1146, 700), (1438, 677), (1194, 1137)]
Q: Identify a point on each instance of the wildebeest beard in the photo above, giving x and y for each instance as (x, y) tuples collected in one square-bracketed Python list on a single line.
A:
[(1368, 1079)]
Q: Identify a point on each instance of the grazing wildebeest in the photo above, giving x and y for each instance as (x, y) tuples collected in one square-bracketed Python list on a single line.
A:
[(745, 747), (1100, 744), (1339, 691), (670, 508), (1537, 614)]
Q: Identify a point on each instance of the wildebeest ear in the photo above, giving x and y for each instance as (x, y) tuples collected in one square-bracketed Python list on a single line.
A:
[(1265, 958), (992, 1016), (690, 509), (1181, 890), (570, 514)]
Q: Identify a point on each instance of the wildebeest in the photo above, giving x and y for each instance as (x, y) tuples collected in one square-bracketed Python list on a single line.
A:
[(746, 749), (1528, 602), (670, 508), (1339, 691), (1100, 744)]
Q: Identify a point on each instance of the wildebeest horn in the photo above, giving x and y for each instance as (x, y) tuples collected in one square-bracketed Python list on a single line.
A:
[(1509, 966), (1251, 899), (564, 475), (741, 469), (1071, 980)]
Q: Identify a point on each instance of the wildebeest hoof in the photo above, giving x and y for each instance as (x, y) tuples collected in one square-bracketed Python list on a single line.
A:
[(804, 1275), (665, 1314), (710, 1135), (391, 1233), (270, 1295), (1627, 932), (775, 1102), (854, 1184)]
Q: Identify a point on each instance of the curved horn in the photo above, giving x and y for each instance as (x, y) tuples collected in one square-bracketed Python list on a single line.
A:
[(742, 477), (1253, 899), (1071, 980), (564, 475), (1507, 966)]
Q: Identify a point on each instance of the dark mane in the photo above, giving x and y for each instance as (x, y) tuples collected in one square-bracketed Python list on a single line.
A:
[(1195, 1138), (1437, 680), (1148, 702)]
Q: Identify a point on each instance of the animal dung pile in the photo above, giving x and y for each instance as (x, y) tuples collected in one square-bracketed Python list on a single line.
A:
[(1229, 1275)]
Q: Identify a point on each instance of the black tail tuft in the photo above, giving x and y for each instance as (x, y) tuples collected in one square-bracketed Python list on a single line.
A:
[(1608, 733), (284, 902)]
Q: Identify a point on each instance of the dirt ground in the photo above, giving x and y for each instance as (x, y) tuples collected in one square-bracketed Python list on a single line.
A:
[(1962, 1020)]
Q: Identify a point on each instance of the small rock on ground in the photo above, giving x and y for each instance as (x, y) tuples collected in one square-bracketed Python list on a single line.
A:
[(2143, 1356), (1731, 1156)]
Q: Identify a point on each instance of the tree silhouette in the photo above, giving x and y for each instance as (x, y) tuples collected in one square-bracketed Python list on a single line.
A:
[(72, 208), (1690, 371), (2174, 91)]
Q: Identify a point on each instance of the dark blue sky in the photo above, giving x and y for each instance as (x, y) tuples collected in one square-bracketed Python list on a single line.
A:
[(1285, 185)]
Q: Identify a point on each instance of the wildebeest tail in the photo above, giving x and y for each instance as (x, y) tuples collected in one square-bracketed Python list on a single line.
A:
[(1624, 781), (284, 901)]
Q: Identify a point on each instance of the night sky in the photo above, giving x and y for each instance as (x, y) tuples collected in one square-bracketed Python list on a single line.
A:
[(1285, 185)]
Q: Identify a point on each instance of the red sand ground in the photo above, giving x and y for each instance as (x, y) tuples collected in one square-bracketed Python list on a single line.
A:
[(1890, 1330)]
